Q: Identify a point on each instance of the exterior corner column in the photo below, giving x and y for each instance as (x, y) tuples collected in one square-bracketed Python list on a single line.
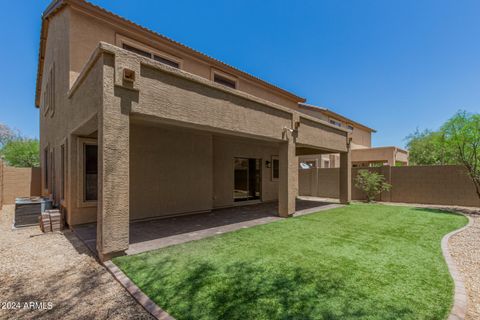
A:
[(345, 177), (288, 178), (113, 211)]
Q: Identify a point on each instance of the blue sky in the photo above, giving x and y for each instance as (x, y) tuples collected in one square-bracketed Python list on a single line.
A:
[(392, 65)]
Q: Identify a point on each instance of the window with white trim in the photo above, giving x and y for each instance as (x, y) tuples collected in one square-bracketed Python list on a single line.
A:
[(87, 166)]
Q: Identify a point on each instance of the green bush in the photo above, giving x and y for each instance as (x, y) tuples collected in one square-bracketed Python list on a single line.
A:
[(371, 183), (21, 152)]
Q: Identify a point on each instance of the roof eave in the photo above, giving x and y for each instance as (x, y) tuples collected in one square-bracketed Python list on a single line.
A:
[(53, 7)]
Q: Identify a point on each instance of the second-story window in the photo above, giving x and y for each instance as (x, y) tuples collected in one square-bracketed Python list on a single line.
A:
[(335, 122), (153, 56), (224, 81), (350, 127), (166, 61), (137, 51)]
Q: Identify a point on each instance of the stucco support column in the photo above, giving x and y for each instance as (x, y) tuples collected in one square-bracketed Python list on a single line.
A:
[(288, 175), (113, 170), (345, 177)]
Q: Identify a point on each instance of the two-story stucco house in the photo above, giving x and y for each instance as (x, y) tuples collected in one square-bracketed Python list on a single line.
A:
[(134, 125), (362, 152)]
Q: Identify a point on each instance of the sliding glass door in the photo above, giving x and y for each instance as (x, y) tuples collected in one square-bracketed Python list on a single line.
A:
[(247, 179)]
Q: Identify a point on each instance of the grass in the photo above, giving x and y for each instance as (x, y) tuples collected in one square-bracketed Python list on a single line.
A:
[(356, 262)]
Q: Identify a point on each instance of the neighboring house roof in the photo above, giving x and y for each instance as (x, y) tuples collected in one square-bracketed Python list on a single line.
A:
[(56, 5), (334, 115)]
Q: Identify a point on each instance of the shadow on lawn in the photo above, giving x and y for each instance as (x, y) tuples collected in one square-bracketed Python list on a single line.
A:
[(250, 291), (449, 210)]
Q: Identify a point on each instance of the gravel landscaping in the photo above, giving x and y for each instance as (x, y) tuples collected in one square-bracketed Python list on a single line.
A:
[(465, 250), (56, 268)]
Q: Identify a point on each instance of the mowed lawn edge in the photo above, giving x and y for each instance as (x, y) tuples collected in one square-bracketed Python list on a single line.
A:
[(363, 261)]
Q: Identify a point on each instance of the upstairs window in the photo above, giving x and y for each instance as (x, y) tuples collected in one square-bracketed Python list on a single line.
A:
[(48, 103), (335, 123), (137, 51), (224, 81), (166, 61), (350, 127), (151, 55)]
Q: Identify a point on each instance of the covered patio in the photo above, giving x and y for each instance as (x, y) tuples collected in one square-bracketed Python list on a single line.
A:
[(171, 143), (149, 235)]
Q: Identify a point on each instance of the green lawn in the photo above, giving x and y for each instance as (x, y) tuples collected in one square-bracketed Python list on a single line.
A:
[(356, 262)]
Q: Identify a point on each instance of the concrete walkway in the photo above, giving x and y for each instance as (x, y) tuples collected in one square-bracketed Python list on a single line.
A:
[(160, 233)]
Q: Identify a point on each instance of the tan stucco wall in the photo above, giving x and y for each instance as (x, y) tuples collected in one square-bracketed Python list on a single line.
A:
[(442, 185), (93, 100), (18, 182), (176, 171), (87, 31), (170, 171), (165, 96), (386, 154), (361, 138), (70, 115), (177, 99)]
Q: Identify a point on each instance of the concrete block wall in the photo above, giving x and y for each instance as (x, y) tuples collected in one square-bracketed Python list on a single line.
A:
[(441, 185), (18, 182)]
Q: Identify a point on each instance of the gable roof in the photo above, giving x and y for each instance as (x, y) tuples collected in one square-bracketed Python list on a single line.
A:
[(56, 5), (335, 115)]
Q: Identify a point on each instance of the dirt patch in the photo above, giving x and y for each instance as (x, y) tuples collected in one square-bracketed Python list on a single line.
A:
[(56, 269)]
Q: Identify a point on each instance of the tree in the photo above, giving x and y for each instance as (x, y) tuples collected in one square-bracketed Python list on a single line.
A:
[(21, 152), (6, 134), (428, 148), (462, 139), (371, 183)]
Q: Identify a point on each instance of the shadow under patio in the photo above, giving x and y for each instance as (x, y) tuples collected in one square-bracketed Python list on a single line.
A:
[(158, 233)]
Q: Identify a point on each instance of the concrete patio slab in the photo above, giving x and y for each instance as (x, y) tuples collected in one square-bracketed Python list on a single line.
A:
[(160, 233)]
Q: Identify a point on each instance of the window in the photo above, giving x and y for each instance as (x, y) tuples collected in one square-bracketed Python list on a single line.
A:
[(150, 55), (137, 51), (335, 122), (224, 81), (63, 171), (166, 61), (275, 168), (326, 163), (52, 182), (247, 179), (45, 167), (48, 100), (350, 127), (90, 169)]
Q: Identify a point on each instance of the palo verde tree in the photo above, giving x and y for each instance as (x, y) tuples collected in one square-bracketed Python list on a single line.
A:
[(461, 135), (428, 148), (16, 150)]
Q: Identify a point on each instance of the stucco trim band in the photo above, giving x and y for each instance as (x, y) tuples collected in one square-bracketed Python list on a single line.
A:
[(108, 48)]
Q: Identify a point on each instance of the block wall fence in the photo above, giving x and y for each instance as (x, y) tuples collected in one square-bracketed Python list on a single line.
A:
[(18, 182), (442, 185)]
